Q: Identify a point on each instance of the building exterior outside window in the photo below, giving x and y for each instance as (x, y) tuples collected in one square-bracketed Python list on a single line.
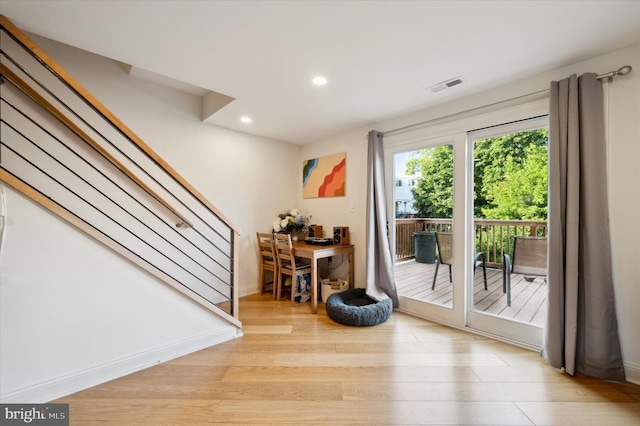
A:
[(404, 197)]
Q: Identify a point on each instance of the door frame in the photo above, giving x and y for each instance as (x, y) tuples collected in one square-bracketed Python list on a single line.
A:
[(455, 129), (453, 316), (523, 333)]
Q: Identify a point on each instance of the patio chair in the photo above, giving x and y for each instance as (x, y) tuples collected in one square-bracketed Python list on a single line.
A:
[(529, 259), (444, 242)]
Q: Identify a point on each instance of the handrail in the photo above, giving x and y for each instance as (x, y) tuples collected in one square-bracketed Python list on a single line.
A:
[(28, 90), (64, 76)]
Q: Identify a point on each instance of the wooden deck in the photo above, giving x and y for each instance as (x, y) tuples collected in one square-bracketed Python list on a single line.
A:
[(414, 280)]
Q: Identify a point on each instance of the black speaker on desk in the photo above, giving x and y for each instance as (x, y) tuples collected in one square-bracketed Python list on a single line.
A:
[(315, 231), (341, 235)]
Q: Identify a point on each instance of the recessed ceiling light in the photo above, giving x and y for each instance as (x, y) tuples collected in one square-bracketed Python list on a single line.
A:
[(319, 80), (245, 119)]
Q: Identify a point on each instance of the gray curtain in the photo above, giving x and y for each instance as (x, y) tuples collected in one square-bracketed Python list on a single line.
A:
[(582, 329), (380, 284)]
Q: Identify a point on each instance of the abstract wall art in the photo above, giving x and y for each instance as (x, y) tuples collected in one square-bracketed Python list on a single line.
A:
[(324, 176)]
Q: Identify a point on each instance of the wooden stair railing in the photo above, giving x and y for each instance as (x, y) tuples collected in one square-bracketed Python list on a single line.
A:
[(22, 85), (201, 265)]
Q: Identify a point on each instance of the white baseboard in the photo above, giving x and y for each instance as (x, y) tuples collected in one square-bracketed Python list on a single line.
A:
[(84, 379), (632, 372), (247, 289)]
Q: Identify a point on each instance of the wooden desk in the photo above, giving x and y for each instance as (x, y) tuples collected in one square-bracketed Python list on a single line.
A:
[(313, 253)]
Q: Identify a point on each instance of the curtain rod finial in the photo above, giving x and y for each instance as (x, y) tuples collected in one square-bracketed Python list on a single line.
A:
[(624, 70)]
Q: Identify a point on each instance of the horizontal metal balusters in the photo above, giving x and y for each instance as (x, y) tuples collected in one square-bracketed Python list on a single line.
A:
[(52, 149)]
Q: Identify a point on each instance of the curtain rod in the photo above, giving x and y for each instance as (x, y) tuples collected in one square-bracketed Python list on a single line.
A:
[(624, 70)]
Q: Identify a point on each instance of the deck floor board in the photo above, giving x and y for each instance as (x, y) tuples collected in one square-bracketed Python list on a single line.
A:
[(414, 279)]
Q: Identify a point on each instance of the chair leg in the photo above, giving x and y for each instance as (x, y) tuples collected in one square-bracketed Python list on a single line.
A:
[(484, 273), (294, 283), (506, 285), (276, 272), (263, 280), (506, 277), (276, 288), (479, 260), (435, 275), (274, 280)]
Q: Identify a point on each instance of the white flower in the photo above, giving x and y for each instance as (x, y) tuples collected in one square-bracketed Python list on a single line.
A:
[(291, 220)]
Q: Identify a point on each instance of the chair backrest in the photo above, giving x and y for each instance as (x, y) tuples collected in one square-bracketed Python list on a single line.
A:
[(284, 250), (444, 241), (530, 256), (266, 250)]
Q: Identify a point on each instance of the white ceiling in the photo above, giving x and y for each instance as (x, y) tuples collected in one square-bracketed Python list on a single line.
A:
[(380, 56)]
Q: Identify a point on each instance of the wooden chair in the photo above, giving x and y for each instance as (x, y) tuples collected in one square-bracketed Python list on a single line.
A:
[(529, 259), (288, 265), (268, 260), (444, 242)]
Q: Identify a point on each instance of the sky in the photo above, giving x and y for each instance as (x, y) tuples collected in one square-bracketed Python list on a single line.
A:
[(399, 161)]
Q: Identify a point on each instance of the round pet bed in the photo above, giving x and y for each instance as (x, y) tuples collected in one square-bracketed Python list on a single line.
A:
[(354, 307)]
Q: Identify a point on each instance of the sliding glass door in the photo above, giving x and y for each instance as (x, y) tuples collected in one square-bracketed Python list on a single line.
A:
[(462, 204), (423, 231), (508, 203)]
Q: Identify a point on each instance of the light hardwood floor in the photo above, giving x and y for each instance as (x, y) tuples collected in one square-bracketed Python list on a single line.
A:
[(292, 367)]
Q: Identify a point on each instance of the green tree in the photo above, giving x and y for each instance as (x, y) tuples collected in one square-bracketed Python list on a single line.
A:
[(510, 178), (522, 194), (491, 157), (433, 193)]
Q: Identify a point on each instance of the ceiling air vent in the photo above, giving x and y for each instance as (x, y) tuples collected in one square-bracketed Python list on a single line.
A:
[(446, 84)]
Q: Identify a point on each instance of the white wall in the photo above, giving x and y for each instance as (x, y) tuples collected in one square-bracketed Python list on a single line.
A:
[(624, 204), (248, 178), (72, 313), (350, 209), (624, 178)]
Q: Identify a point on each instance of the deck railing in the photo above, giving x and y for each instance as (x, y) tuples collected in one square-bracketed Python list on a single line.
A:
[(405, 228), (493, 237)]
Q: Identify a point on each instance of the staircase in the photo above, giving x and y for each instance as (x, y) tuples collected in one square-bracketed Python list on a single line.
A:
[(66, 151)]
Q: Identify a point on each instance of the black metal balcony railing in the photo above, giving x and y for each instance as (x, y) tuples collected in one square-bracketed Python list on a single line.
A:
[(493, 237)]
